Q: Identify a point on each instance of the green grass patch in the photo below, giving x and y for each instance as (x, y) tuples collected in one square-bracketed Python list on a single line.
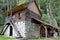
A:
[(58, 38), (7, 38), (4, 38)]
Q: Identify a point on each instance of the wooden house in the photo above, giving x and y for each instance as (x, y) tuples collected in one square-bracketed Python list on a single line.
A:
[(25, 21)]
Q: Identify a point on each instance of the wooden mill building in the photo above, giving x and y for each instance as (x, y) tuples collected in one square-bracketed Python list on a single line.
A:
[(25, 21)]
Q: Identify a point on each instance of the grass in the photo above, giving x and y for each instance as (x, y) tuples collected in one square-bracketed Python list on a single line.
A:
[(58, 38), (4, 38)]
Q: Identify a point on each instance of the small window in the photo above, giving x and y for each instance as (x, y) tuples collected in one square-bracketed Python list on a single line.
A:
[(19, 14)]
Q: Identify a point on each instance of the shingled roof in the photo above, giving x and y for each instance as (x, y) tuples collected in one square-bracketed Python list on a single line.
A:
[(14, 10), (44, 23)]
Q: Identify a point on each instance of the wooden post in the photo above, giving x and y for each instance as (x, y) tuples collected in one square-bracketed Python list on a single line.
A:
[(39, 30), (39, 26), (46, 33)]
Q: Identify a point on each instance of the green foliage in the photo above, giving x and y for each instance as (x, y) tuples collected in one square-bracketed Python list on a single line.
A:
[(21, 2), (55, 9), (44, 18), (4, 5), (58, 38), (42, 4)]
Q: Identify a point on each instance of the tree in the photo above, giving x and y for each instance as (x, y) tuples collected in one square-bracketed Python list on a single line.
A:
[(51, 18), (5, 5), (55, 10)]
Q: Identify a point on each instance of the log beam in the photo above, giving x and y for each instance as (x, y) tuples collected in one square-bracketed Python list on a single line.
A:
[(46, 32), (39, 31)]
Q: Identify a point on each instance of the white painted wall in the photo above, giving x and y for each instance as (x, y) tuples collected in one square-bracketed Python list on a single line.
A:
[(7, 32), (21, 27), (15, 34)]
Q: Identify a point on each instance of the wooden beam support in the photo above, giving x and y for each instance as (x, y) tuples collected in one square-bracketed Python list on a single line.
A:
[(46, 32), (39, 30)]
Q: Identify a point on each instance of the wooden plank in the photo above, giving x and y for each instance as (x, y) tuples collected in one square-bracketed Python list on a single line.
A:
[(33, 14), (46, 32), (39, 30), (34, 7)]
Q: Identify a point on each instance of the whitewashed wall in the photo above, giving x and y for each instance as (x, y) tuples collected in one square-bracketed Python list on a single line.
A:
[(7, 32), (21, 28)]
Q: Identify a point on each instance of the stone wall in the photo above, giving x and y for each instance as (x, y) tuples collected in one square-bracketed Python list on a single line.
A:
[(31, 28), (28, 25)]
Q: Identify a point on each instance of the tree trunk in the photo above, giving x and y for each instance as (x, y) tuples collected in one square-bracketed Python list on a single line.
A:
[(51, 18), (39, 4)]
